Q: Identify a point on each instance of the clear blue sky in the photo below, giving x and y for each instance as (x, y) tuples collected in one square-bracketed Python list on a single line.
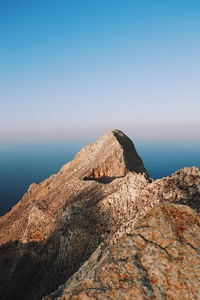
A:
[(73, 68)]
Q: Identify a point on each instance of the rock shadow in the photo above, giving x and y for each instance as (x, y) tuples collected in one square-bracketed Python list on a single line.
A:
[(35, 269), (104, 180), (132, 160)]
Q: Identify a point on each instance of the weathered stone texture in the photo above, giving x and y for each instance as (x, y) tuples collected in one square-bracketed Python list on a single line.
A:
[(92, 203), (158, 259), (61, 221)]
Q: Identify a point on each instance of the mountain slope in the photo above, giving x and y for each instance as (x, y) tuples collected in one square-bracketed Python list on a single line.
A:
[(58, 223), (91, 204)]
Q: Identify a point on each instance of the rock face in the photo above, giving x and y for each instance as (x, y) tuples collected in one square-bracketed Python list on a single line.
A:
[(92, 206), (158, 259), (61, 221)]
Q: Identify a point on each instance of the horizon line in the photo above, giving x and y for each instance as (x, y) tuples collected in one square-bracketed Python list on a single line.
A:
[(154, 132)]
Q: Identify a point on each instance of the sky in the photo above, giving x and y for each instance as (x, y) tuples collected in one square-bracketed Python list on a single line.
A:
[(71, 69)]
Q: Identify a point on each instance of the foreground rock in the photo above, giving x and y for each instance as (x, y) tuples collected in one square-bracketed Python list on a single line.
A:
[(158, 259), (92, 203)]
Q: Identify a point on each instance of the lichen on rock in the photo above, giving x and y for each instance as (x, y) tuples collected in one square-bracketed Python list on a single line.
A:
[(158, 259), (87, 222)]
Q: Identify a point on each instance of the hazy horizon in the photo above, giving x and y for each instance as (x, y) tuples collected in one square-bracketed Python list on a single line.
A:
[(21, 164), (162, 133), (72, 69)]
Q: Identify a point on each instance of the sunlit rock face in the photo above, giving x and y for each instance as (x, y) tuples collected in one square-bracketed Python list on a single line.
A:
[(89, 206), (61, 221), (157, 259)]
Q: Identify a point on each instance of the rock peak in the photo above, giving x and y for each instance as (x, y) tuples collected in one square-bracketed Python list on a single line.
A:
[(61, 221), (112, 155)]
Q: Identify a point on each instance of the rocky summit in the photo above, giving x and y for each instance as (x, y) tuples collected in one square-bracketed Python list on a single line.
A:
[(103, 229)]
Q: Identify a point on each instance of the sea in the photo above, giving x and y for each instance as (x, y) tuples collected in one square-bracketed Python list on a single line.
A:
[(21, 164)]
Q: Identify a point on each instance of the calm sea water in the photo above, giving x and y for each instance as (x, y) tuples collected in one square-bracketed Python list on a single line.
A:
[(23, 164)]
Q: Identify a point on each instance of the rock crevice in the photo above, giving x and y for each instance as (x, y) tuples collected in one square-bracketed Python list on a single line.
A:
[(84, 222)]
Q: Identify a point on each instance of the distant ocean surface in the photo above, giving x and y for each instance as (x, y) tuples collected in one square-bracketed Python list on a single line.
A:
[(23, 164)]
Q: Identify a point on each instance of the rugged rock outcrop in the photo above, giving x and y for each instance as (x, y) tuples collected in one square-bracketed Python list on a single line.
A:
[(158, 259), (92, 203), (61, 221)]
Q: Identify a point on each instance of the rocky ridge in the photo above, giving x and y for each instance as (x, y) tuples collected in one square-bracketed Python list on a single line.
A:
[(90, 206), (157, 259)]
